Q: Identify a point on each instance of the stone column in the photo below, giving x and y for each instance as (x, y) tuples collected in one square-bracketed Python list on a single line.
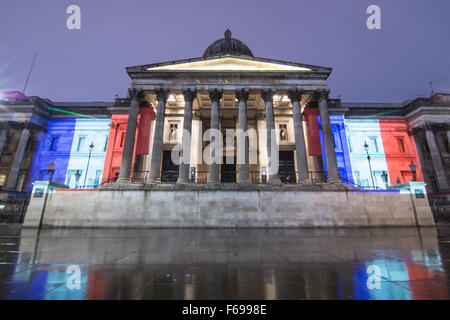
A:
[(436, 158), (17, 162), (242, 96), (128, 148), (3, 138), (418, 140), (185, 155), (155, 166), (215, 96), (273, 166), (330, 153), (295, 96)]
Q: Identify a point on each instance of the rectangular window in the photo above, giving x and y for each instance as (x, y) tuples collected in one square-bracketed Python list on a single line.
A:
[(54, 143), (106, 143), (80, 145), (350, 145), (73, 180), (357, 178), (401, 144), (373, 144), (98, 178)]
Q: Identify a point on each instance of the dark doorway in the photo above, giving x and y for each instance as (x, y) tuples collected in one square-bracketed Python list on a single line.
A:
[(228, 170), (169, 172), (287, 167)]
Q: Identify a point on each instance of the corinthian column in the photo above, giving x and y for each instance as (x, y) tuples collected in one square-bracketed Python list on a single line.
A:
[(130, 136), (155, 166), (13, 175), (330, 153), (273, 164), (436, 158), (295, 96), (242, 96), (3, 139), (215, 95), (185, 156)]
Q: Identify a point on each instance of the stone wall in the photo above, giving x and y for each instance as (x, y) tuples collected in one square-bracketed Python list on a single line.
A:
[(227, 208)]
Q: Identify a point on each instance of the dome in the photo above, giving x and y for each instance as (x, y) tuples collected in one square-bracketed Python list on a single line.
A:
[(227, 45)]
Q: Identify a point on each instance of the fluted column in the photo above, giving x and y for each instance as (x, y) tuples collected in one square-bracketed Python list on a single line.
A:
[(3, 138), (17, 162), (155, 166), (130, 135), (242, 96), (215, 96), (295, 96), (436, 158), (185, 156), (330, 153), (273, 166)]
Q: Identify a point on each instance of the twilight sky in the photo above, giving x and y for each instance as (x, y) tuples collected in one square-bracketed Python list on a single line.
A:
[(393, 64)]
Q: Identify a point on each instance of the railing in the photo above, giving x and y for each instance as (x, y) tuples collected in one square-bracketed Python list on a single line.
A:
[(140, 176), (13, 206), (318, 176), (355, 185), (200, 177)]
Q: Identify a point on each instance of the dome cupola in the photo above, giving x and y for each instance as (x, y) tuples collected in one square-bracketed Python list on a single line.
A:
[(227, 45)]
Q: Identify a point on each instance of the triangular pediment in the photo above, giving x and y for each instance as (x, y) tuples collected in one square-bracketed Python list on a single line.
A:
[(228, 64)]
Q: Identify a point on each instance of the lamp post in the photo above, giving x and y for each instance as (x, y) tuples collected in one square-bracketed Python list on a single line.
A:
[(91, 147), (413, 168), (366, 147), (51, 170)]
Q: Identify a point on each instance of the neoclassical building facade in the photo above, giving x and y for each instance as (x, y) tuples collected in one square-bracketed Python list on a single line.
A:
[(229, 121), (229, 88)]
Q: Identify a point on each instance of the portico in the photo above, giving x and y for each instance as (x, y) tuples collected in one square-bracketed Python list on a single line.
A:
[(262, 100)]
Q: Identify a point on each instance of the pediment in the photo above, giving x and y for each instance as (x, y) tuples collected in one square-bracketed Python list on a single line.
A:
[(229, 64)]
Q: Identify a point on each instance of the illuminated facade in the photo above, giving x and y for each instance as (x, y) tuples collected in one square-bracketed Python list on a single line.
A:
[(174, 104)]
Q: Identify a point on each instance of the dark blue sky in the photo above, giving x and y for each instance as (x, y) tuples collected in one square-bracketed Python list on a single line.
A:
[(392, 64)]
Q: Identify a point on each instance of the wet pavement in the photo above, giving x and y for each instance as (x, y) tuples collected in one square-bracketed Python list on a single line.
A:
[(224, 264)]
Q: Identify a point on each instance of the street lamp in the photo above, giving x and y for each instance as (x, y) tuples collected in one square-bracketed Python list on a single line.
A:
[(413, 168), (51, 170), (366, 147), (91, 147)]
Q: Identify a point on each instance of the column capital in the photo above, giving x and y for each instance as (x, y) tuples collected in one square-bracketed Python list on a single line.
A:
[(242, 94), (267, 95), (215, 95), (135, 93), (295, 95), (322, 94), (162, 94), (145, 104), (189, 94)]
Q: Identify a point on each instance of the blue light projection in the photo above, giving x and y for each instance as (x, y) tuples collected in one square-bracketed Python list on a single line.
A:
[(53, 147), (340, 146)]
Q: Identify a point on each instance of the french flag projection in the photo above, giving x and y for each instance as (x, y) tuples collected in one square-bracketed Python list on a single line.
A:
[(145, 126), (312, 132)]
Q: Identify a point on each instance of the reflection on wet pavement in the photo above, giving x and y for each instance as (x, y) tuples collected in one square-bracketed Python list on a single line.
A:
[(225, 264)]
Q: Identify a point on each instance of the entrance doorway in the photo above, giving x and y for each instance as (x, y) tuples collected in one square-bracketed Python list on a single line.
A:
[(169, 171), (287, 167), (228, 170)]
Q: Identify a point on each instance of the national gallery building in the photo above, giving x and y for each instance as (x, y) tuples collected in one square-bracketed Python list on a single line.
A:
[(211, 132)]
